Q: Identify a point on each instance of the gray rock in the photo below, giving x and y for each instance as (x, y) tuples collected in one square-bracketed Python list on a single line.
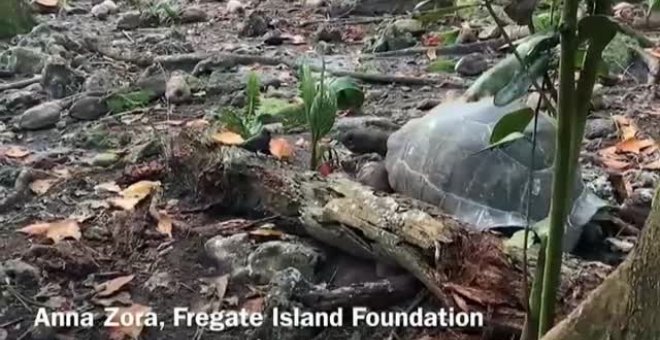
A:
[(41, 116), (99, 81), (23, 60), (374, 174), (59, 80), (129, 20), (274, 256), (646, 179), (88, 108), (235, 6), (466, 35), (153, 79), (490, 32), (328, 34), (104, 9), (411, 26), (177, 89), (255, 25), (19, 99), (20, 272), (104, 159), (96, 233), (471, 65), (390, 39), (193, 14), (229, 251), (599, 128)]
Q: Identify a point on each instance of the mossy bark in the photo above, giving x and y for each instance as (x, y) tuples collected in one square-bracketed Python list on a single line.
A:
[(626, 305), (16, 18)]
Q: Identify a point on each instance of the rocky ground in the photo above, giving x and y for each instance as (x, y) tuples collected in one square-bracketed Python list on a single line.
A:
[(70, 238)]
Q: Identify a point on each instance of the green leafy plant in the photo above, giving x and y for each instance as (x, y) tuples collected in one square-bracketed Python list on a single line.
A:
[(249, 122), (441, 65), (320, 104)]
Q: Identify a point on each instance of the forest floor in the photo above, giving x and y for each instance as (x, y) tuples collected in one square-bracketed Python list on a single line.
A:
[(61, 174)]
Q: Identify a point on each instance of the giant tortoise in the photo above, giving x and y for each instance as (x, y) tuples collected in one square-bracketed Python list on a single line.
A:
[(443, 158)]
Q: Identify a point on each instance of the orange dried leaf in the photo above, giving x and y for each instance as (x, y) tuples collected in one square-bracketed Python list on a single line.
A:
[(614, 164), (56, 231), (228, 138), (198, 124), (627, 128), (634, 145), (281, 149), (108, 186), (255, 305), (15, 151), (165, 224), (134, 194), (655, 165), (137, 313), (267, 232), (431, 54), (41, 186), (110, 287)]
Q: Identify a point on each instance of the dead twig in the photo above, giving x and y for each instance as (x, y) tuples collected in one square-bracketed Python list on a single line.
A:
[(20, 84), (458, 49)]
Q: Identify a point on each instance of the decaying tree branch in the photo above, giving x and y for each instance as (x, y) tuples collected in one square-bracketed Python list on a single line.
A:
[(461, 267)]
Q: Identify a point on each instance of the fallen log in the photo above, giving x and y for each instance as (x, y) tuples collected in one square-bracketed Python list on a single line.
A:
[(462, 268)]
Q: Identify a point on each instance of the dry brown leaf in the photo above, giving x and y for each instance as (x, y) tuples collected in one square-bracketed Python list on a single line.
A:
[(198, 124), (47, 3), (108, 186), (228, 138), (123, 298), (431, 54), (614, 164), (634, 145), (56, 231), (281, 149), (165, 224), (627, 129), (41, 186), (255, 305), (62, 173), (134, 194), (110, 287), (655, 165), (266, 232), (14, 151), (133, 331)]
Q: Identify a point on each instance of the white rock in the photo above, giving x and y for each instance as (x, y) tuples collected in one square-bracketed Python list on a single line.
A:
[(104, 9), (235, 6), (313, 3)]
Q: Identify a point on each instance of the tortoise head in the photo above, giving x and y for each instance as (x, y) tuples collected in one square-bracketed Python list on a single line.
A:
[(365, 140)]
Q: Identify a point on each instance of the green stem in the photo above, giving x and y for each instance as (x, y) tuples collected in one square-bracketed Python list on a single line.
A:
[(314, 160), (531, 328), (564, 171)]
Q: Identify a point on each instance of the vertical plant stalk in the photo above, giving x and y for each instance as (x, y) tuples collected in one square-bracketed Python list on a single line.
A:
[(531, 328), (564, 167)]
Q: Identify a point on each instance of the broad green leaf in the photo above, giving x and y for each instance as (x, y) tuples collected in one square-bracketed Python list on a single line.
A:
[(349, 95), (307, 88), (510, 138), (441, 65), (598, 29), (322, 114), (497, 77), (253, 95), (521, 81), (126, 101), (515, 121)]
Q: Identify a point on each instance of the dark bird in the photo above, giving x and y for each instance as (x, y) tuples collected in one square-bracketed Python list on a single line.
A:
[(259, 142)]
